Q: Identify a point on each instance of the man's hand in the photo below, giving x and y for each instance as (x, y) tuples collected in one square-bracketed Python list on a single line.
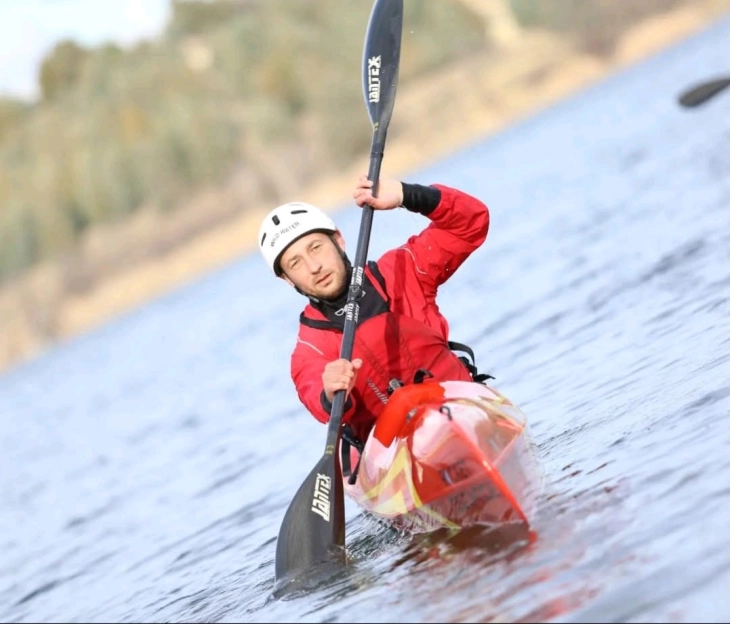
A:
[(340, 375), (390, 193)]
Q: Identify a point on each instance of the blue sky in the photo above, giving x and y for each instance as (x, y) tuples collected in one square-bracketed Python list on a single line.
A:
[(29, 28)]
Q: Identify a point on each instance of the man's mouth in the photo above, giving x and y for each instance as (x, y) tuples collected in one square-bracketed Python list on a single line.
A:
[(323, 279)]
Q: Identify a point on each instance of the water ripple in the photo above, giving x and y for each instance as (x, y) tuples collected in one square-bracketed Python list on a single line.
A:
[(146, 467)]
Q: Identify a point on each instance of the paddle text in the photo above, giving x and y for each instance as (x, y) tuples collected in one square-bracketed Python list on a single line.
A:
[(321, 499), (374, 79)]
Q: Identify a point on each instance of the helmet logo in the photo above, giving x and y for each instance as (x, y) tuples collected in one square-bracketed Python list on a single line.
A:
[(284, 230)]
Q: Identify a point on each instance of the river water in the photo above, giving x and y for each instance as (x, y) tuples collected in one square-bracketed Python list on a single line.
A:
[(145, 467)]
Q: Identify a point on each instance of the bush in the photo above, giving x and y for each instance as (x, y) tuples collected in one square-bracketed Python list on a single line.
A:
[(120, 129)]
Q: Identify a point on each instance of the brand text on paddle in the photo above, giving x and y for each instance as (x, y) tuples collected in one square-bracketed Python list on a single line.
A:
[(321, 499), (374, 79)]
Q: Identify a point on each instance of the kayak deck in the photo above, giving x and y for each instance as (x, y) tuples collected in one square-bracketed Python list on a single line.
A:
[(448, 454)]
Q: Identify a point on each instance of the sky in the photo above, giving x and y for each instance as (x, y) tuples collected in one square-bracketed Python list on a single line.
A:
[(30, 28)]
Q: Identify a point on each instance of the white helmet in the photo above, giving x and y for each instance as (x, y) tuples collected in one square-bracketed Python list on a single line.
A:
[(285, 224)]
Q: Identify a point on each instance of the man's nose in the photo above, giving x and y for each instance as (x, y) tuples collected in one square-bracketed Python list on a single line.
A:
[(313, 265)]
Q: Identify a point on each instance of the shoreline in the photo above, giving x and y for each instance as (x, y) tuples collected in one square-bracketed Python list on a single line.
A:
[(38, 312)]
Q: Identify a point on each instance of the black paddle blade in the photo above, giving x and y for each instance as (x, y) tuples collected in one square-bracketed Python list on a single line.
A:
[(701, 93), (381, 60), (313, 529)]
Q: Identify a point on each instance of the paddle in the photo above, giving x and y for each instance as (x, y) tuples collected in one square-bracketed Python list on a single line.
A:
[(313, 529), (701, 93)]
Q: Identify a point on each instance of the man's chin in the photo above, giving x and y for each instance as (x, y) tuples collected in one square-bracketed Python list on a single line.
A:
[(332, 293)]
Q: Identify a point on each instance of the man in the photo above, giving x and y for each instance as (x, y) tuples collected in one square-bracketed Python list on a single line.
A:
[(401, 336)]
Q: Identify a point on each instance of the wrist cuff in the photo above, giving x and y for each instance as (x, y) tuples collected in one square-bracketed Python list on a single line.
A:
[(420, 199), (327, 404)]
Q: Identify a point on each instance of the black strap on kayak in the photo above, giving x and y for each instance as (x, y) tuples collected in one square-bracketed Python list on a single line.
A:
[(421, 374), (349, 439), (469, 362)]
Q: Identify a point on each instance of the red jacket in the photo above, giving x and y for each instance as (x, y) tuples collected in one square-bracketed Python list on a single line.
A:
[(408, 332)]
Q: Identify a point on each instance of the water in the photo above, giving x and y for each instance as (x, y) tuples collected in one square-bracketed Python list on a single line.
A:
[(146, 466)]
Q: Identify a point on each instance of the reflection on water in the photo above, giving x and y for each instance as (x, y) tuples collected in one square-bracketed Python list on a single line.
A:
[(146, 467), (485, 543)]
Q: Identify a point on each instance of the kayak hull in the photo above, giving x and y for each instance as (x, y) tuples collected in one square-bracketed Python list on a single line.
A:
[(448, 455)]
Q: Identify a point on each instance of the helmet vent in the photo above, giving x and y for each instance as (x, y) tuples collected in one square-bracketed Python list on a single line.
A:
[(263, 238), (298, 211), (275, 219)]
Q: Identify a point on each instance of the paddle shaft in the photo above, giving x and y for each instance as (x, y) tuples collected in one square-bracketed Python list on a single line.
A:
[(352, 307)]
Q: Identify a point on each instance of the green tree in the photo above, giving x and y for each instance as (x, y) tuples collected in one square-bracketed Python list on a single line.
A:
[(61, 69), (12, 113)]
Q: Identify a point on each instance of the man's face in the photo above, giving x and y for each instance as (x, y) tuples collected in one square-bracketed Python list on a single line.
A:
[(314, 264)]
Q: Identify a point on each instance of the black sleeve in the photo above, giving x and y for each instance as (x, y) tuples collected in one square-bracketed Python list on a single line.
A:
[(327, 404), (421, 199)]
